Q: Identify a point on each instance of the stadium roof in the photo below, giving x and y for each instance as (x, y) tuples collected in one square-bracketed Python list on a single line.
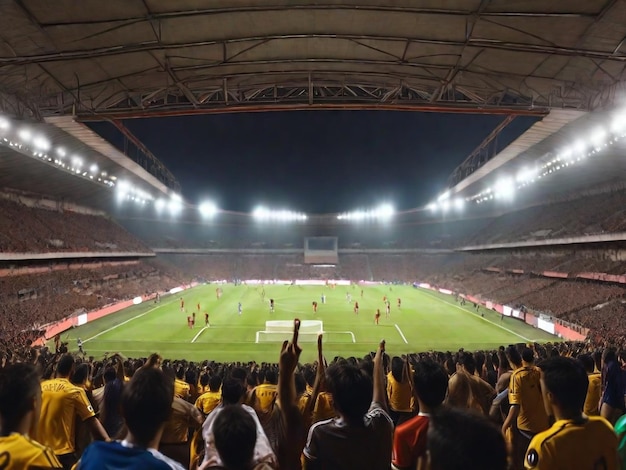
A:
[(124, 58)]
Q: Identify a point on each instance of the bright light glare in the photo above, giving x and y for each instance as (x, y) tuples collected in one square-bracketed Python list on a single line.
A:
[(4, 123), (617, 126), (445, 205), (505, 188), (525, 175), (77, 161), (385, 212), (93, 168), (175, 205), (598, 137), (25, 134), (444, 196), (41, 143), (432, 207), (459, 203), (207, 209), (580, 147), (261, 213), (61, 152), (159, 205)]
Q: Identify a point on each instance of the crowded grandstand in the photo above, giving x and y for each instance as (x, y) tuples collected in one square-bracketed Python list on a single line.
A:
[(482, 329)]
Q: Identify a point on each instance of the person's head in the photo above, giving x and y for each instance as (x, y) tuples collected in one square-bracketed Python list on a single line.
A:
[(233, 391), (513, 356), (215, 382), (397, 368), (431, 383), (80, 374), (528, 356), (467, 362), (110, 374), (146, 403), (271, 377), (587, 362), (65, 366), (235, 437), (240, 374), (180, 372), (204, 379), (608, 356), (309, 375), (463, 440), (20, 399), (352, 391), (564, 384)]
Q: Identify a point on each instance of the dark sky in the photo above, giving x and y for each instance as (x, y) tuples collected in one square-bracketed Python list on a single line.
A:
[(314, 161)]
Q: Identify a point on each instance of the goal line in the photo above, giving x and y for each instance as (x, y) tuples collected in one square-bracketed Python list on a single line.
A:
[(265, 336)]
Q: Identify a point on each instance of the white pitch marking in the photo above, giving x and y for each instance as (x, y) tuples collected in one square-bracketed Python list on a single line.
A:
[(401, 334), (123, 323), (199, 333)]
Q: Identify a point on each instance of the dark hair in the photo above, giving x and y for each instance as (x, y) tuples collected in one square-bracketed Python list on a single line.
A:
[(457, 440), (528, 355), (587, 362), (110, 411), (239, 373), (19, 384), (65, 365), (467, 361), (235, 437), (397, 368), (300, 384), (513, 356), (80, 374), (180, 372), (205, 378), (232, 391), (271, 376), (352, 391), (567, 380), (109, 374), (215, 383), (309, 375), (146, 403), (431, 382)]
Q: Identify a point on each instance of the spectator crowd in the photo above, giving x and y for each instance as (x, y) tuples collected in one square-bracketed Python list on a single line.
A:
[(527, 406)]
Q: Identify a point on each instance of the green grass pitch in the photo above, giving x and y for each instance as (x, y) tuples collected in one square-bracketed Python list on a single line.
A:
[(426, 321)]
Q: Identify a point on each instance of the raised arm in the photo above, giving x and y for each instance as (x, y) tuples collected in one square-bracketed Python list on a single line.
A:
[(379, 377), (317, 385)]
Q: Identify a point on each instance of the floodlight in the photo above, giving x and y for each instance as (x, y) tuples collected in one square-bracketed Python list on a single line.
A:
[(432, 207), (618, 125), (260, 213), (445, 205), (77, 161), (525, 175), (385, 211), (175, 205), (598, 137), (444, 196), (207, 209), (505, 188), (25, 134), (459, 203), (61, 152), (5, 125), (159, 205), (93, 168), (41, 143)]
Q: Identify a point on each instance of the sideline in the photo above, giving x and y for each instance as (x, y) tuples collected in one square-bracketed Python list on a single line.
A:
[(124, 322), (199, 333), (527, 340)]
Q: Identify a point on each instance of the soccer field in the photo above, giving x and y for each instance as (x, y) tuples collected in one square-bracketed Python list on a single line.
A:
[(425, 321)]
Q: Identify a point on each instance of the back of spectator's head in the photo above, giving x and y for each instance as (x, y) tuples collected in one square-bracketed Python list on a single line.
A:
[(239, 373), (431, 382), (110, 374), (351, 389), (215, 382), (232, 391), (146, 403), (513, 356), (271, 376), (609, 355), (20, 393), (466, 360), (180, 372), (309, 375), (65, 365), (462, 440), (528, 355), (587, 361), (80, 374), (300, 384), (397, 368), (204, 379), (565, 383), (235, 437)]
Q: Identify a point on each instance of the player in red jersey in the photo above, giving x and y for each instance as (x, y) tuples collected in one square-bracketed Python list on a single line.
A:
[(182, 304), (198, 307), (387, 309), (399, 302), (377, 316), (189, 322), (206, 319), (356, 308), (314, 306), (384, 298), (193, 319)]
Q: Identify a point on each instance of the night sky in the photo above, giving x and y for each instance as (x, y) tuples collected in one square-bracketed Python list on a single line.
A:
[(314, 161)]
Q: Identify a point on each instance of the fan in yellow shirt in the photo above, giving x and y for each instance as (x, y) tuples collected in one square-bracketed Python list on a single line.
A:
[(181, 388), (20, 406), (263, 395), (575, 440), (62, 403), (209, 400), (594, 391)]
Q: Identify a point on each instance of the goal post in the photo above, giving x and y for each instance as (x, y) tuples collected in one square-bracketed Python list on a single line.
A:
[(280, 330)]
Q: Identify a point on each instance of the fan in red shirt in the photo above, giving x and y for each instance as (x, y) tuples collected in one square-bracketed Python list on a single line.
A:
[(430, 385)]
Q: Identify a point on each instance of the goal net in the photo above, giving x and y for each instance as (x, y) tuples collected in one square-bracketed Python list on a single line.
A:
[(281, 330)]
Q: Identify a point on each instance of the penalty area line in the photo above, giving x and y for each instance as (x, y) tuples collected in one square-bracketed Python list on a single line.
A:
[(401, 334), (198, 335)]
